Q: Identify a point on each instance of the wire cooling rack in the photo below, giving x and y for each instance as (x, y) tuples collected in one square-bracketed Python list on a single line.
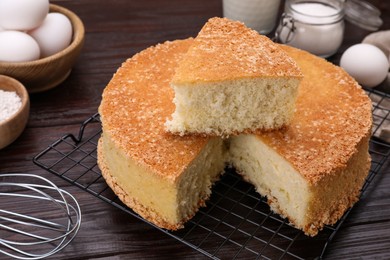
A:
[(237, 221)]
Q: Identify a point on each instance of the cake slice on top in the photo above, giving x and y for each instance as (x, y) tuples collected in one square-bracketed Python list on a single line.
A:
[(233, 80)]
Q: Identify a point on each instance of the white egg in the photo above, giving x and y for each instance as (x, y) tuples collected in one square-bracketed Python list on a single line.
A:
[(366, 63), (17, 46), (54, 35), (22, 14)]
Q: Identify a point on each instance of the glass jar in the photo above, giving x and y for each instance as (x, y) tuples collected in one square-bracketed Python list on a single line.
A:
[(260, 15), (316, 26)]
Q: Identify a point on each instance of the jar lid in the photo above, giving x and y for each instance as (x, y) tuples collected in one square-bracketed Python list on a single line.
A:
[(363, 14)]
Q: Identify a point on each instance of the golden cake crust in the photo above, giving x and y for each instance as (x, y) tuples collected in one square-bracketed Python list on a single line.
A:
[(226, 50), (332, 117), (135, 105)]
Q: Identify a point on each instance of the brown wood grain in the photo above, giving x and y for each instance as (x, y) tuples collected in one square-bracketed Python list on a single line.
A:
[(116, 30)]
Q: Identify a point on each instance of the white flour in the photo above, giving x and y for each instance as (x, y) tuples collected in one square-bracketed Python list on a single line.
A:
[(10, 103)]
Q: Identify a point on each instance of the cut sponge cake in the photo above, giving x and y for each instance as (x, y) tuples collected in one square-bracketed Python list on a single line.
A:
[(233, 80), (311, 171)]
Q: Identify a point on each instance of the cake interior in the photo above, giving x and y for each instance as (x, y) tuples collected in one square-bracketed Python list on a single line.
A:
[(227, 107), (307, 205), (168, 203), (288, 193)]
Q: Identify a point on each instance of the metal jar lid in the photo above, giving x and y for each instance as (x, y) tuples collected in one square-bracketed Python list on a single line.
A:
[(363, 14)]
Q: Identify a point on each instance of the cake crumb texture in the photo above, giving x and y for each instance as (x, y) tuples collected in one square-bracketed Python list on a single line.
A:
[(233, 80)]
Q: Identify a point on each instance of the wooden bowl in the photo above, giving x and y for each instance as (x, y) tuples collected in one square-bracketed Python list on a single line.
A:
[(11, 128), (48, 72)]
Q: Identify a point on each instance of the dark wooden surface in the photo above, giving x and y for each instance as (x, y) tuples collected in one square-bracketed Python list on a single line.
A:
[(116, 30)]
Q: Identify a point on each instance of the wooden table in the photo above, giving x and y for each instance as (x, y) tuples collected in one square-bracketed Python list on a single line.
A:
[(116, 30)]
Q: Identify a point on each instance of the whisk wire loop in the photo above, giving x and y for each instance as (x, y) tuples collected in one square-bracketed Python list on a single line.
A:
[(34, 234)]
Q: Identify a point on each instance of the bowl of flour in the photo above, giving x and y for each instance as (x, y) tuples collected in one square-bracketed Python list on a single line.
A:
[(14, 110)]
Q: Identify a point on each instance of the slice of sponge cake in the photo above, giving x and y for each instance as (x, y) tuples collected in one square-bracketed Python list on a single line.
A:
[(233, 80)]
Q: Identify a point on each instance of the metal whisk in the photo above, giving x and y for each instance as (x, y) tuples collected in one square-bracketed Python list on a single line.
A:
[(26, 231)]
